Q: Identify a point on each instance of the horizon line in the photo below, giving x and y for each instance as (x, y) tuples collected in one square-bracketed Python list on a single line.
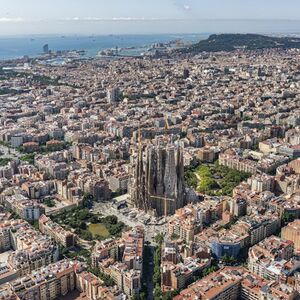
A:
[(91, 35), (20, 20)]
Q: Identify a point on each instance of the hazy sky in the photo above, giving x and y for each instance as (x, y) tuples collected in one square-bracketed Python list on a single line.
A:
[(134, 16)]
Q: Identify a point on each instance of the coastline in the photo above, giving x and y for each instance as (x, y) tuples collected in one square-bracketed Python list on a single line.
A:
[(17, 47)]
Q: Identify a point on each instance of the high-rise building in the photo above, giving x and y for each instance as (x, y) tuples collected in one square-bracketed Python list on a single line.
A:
[(113, 95), (46, 48), (238, 207), (186, 73), (157, 183)]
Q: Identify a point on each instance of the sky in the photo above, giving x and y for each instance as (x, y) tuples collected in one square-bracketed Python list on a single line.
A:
[(19, 17)]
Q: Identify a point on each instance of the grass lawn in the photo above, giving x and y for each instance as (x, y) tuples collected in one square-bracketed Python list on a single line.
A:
[(98, 229)]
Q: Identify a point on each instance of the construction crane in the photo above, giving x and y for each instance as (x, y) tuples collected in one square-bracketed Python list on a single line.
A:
[(165, 202), (167, 126), (139, 138)]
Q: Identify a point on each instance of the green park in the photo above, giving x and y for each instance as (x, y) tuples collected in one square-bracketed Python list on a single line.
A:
[(89, 226), (214, 179)]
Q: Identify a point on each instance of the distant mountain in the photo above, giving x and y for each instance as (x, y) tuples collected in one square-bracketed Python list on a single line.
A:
[(231, 42)]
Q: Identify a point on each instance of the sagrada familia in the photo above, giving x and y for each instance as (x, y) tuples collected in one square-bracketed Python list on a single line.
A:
[(157, 184)]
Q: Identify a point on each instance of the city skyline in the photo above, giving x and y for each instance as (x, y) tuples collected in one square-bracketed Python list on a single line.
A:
[(149, 150)]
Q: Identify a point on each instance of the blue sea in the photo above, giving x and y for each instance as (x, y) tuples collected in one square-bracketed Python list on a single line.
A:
[(16, 47)]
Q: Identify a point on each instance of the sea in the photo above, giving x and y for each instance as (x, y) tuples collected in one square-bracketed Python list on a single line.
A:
[(32, 46), (18, 46)]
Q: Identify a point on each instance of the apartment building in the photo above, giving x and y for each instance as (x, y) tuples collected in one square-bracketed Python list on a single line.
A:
[(60, 235)]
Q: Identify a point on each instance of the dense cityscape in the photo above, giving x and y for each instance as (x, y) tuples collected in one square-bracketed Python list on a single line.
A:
[(171, 175)]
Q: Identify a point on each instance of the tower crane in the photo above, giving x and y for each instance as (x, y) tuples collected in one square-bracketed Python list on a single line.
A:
[(167, 125)]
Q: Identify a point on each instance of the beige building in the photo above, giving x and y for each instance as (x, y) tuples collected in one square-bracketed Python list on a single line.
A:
[(60, 235), (57, 280), (291, 232), (33, 250)]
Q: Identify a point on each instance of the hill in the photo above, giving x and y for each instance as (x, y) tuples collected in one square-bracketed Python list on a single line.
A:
[(231, 42)]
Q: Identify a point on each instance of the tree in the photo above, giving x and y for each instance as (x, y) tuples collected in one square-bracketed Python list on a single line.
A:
[(190, 179), (94, 219), (143, 296), (36, 225), (86, 235), (4, 161), (115, 229), (74, 223), (159, 238), (169, 295), (288, 217), (87, 201), (83, 214), (29, 158), (156, 277), (108, 281), (49, 202), (157, 292), (98, 237), (207, 271), (144, 293), (83, 225), (111, 220), (157, 261), (117, 193), (228, 259), (174, 236)]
